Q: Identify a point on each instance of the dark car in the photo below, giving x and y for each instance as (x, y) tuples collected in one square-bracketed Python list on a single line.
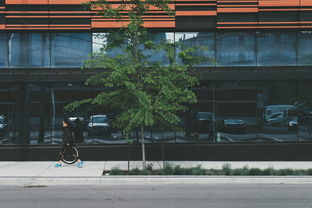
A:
[(3, 126), (99, 126), (203, 121), (234, 125)]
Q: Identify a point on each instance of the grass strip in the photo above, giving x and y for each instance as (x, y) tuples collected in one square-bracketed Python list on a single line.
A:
[(227, 170)]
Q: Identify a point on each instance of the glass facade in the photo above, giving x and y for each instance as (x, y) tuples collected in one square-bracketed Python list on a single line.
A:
[(3, 50), (70, 49), (236, 49), (304, 49), (29, 50), (226, 111), (204, 42), (57, 50), (276, 48)]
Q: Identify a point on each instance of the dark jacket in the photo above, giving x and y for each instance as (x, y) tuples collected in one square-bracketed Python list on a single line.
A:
[(67, 136)]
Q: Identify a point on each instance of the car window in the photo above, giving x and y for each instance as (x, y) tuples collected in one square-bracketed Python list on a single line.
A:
[(233, 121), (1, 120), (276, 115), (99, 120)]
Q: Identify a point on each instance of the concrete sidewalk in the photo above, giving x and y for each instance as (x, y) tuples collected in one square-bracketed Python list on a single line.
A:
[(44, 173)]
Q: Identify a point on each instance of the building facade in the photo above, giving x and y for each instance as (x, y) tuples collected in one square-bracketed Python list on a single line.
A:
[(259, 89)]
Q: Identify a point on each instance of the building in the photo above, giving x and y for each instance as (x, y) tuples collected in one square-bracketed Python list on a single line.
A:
[(262, 48)]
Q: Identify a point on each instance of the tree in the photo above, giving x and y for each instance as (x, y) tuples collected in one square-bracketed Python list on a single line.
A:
[(145, 92)]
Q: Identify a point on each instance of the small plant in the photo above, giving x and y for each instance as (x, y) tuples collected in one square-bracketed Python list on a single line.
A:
[(309, 172), (116, 171), (286, 171), (268, 171), (149, 166), (226, 168), (198, 170), (255, 171)]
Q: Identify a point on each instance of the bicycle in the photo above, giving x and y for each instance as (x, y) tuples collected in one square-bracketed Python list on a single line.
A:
[(69, 154)]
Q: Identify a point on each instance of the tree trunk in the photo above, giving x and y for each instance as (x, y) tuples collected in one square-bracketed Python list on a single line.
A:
[(143, 147)]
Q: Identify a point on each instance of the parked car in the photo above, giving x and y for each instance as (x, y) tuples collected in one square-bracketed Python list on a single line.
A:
[(234, 125), (82, 122), (293, 123), (99, 125), (3, 126), (204, 121), (275, 119)]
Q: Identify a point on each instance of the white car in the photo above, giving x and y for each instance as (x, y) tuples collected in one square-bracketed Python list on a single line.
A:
[(99, 125), (275, 119)]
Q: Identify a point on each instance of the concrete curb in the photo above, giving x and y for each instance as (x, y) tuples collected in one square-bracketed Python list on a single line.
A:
[(153, 180)]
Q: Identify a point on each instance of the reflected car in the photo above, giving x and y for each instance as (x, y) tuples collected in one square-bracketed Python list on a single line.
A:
[(276, 119), (204, 121), (3, 126), (234, 125), (99, 125), (82, 122), (293, 123)]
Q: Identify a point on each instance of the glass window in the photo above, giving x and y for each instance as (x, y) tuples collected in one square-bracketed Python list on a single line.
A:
[(303, 111), (235, 107), (159, 55), (3, 50), (101, 40), (98, 41), (278, 48), (304, 48), (236, 49), (275, 106), (29, 50), (204, 41), (70, 49)]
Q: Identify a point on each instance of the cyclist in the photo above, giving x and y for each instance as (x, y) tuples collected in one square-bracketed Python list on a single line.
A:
[(68, 142)]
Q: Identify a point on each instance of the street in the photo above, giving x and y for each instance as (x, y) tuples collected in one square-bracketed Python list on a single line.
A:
[(164, 196)]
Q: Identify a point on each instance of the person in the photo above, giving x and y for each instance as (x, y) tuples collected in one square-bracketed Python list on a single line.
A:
[(68, 141), (78, 133)]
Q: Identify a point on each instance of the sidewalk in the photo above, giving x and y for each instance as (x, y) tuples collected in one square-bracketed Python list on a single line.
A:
[(44, 173)]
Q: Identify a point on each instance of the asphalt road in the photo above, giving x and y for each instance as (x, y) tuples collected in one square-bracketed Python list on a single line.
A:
[(162, 196)]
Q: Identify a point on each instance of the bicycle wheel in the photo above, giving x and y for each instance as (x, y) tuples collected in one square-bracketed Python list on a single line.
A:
[(70, 154)]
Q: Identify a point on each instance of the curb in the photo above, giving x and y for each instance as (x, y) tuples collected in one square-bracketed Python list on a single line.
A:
[(153, 180)]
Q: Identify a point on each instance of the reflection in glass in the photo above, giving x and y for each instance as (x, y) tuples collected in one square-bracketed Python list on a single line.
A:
[(304, 48), (205, 41), (29, 50), (3, 50), (275, 110), (158, 55), (304, 110), (236, 48), (278, 48), (236, 111), (70, 49), (99, 41)]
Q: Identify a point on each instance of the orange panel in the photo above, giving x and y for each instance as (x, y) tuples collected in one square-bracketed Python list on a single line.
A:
[(26, 2), (2, 27), (276, 9), (96, 24), (306, 2), (277, 3), (275, 27), (239, 27), (197, 13), (67, 1), (161, 24), (235, 23), (239, 10)]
